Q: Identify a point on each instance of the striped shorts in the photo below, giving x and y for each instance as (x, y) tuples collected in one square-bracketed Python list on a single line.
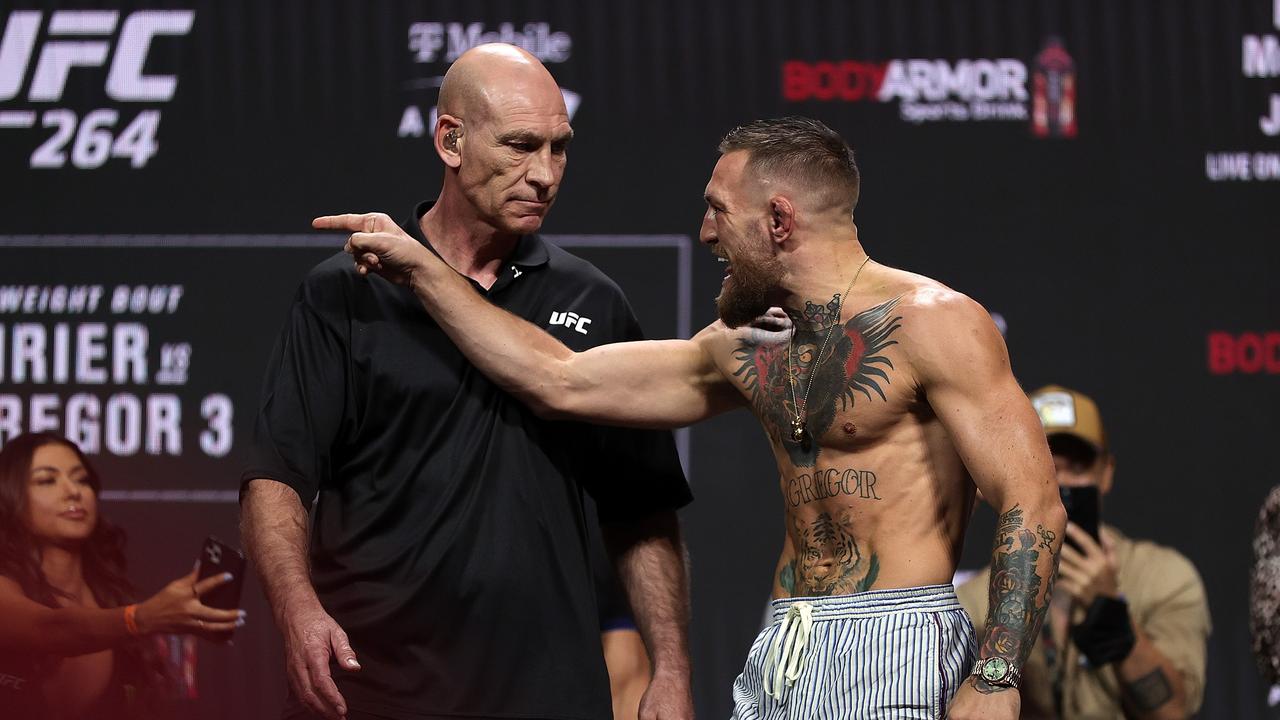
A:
[(879, 654)]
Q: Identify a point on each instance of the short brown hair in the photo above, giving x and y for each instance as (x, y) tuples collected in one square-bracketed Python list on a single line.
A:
[(800, 148)]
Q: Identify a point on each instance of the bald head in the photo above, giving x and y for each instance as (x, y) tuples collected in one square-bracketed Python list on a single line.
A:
[(489, 77), (502, 132)]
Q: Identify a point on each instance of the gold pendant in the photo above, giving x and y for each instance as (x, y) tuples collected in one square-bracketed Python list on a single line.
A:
[(797, 430)]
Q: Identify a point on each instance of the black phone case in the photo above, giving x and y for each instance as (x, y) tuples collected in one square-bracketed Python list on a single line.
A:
[(218, 557), (1081, 504)]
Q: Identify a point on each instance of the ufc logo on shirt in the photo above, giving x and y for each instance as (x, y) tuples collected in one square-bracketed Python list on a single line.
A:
[(11, 681), (570, 320)]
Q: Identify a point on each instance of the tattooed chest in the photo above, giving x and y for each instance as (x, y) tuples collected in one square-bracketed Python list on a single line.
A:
[(816, 373)]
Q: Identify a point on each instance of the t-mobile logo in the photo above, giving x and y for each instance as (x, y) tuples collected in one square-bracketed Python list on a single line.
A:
[(572, 320)]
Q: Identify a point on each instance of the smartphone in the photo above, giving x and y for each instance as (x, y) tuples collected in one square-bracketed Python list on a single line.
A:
[(217, 557), (1082, 508)]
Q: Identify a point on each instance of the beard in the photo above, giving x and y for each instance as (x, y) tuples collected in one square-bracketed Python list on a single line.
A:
[(749, 291)]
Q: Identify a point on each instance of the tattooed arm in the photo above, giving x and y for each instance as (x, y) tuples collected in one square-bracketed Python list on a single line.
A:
[(962, 367), (654, 384), (1154, 688)]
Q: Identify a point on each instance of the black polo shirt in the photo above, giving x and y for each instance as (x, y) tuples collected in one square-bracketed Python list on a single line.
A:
[(448, 535)]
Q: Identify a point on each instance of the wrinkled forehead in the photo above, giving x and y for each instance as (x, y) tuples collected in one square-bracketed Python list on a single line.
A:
[(536, 105)]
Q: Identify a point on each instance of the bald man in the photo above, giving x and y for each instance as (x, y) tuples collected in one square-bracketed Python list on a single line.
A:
[(445, 573)]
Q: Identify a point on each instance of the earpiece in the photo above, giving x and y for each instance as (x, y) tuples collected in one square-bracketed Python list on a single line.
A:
[(451, 139)]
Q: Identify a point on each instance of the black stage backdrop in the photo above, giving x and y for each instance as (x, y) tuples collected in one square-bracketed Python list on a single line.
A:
[(1104, 176)]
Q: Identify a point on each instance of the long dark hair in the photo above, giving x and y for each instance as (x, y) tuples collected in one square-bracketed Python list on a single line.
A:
[(102, 557)]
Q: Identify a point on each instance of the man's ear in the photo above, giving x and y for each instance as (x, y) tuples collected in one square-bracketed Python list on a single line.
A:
[(448, 139), (782, 219)]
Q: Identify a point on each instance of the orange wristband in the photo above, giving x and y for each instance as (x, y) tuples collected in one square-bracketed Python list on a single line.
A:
[(130, 620)]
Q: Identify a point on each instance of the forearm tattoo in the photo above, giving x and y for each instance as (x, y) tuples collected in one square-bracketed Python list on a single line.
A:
[(1150, 691), (1019, 593), (829, 560)]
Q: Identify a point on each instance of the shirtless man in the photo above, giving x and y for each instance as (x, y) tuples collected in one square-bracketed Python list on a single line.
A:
[(882, 392)]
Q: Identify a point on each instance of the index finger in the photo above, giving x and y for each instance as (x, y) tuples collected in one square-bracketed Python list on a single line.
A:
[(348, 221), (361, 222)]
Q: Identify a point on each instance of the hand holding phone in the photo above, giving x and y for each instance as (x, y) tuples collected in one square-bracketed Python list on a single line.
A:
[(1087, 568), (217, 557), (180, 606)]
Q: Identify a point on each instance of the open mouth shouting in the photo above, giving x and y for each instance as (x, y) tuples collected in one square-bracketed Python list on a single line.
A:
[(728, 267)]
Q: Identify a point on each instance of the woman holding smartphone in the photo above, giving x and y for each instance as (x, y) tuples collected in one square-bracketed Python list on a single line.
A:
[(73, 641)]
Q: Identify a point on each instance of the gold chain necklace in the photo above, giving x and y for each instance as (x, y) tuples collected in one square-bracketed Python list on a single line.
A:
[(797, 424)]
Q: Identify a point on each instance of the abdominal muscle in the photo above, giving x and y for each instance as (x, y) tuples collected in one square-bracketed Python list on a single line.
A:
[(888, 516)]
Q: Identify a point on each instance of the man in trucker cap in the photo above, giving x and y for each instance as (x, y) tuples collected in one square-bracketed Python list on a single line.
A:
[(1128, 622)]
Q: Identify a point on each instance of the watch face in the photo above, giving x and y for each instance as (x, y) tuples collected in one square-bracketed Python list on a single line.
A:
[(995, 669)]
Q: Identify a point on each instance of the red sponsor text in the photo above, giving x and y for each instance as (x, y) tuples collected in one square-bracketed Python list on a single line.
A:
[(1246, 353)]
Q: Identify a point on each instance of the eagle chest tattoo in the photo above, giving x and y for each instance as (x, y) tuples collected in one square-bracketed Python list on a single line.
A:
[(852, 369)]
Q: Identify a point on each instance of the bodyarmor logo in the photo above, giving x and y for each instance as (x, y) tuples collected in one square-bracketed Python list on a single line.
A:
[(125, 79), (571, 320), (427, 39), (906, 80), (925, 90)]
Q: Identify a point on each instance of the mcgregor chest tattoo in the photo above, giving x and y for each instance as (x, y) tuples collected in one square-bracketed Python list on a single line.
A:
[(852, 369)]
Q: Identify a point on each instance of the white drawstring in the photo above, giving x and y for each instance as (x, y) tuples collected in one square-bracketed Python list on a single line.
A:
[(786, 652)]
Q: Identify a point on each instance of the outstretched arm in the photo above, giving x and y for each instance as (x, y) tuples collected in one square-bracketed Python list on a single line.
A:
[(963, 367), (668, 383), (31, 627)]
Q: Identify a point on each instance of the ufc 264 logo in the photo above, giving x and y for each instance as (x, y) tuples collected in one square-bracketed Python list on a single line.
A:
[(40, 56)]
